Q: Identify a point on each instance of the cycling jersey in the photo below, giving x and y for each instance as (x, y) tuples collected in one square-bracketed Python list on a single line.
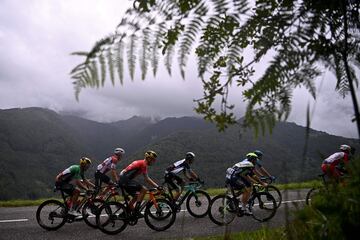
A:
[(337, 158), (73, 172), (135, 168), (178, 166), (108, 164), (243, 168)]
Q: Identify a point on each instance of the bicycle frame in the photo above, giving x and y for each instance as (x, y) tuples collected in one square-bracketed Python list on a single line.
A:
[(188, 189)]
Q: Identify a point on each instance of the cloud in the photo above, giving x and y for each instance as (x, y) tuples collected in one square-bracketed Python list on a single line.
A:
[(37, 37)]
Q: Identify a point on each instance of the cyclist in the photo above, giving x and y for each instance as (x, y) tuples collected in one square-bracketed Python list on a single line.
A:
[(241, 176), (135, 189), (64, 182), (334, 166), (109, 164), (182, 166), (259, 169)]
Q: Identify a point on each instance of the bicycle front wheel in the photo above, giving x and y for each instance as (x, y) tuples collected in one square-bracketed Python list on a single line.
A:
[(311, 195), (263, 206), (222, 210), (160, 216), (112, 218), (51, 215), (198, 203), (275, 192), (90, 210)]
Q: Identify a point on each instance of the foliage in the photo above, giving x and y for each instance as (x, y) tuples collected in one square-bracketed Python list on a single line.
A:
[(298, 35), (263, 233), (334, 213)]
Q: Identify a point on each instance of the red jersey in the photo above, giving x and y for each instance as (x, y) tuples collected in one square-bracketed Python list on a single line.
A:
[(135, 168)]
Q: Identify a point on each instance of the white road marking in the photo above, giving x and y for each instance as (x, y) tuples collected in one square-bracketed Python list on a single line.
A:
[(14, 220)]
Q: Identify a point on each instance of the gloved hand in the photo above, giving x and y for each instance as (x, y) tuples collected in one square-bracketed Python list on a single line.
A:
[(272, 178), (200, 181)]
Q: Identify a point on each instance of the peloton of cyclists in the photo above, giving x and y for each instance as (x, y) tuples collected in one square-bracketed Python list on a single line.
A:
[(135, 189), (182, 166), (241, 176), (65, 180)]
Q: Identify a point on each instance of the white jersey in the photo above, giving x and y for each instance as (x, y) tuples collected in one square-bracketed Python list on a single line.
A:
[(178, 167), (334, 158), (108, 164)]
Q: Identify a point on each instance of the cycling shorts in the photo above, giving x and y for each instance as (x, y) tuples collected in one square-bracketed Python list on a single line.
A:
[(331, 170), (171, 178), (66, 187), (131, 186), (238, 183), (100, 178)]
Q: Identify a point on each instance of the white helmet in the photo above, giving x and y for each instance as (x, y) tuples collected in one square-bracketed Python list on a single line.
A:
[(119, 151), (345, 147)]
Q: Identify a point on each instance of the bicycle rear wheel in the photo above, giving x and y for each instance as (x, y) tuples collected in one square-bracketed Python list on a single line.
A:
[(112, 218), (161, 217), (263, 206), (51, 215), (198, 203), (90, 210), (275, 192), (222, 210)]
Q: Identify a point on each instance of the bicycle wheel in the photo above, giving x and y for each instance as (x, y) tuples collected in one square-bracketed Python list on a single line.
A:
[(90, 210), (222, 210), (51, 215), (311, 194), (160, 218), (275, 192), (263, 206), (112, 218), (198, 203)]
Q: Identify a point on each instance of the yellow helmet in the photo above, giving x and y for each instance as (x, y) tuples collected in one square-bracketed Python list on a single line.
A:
[(151, 154), (85, 160)]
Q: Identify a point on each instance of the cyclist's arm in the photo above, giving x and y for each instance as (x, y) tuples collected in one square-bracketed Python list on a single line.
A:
[(150, 181), (80, 184), (88, 183), (264, 172), (193, 174), (57, 178), (255, 179)]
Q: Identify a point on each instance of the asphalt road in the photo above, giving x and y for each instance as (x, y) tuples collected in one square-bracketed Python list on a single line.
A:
[(20, 223)]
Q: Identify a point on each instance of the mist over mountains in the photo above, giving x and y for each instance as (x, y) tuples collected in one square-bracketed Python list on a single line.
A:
[(36, 144)]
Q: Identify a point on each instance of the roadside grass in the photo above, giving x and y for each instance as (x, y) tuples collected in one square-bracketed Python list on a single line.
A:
[(211, 191), (263, 233)]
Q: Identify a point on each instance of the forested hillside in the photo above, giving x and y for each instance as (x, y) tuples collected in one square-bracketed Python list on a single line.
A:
[(36, 144)]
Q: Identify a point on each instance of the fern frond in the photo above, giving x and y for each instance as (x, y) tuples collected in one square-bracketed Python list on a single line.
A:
[(158, 35), (131, 54), (186, 42), (168, 58), (145, 52), (110, 62), (102, 68)]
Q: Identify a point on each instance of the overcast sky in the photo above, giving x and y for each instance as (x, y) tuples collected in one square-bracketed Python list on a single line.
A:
[(37, 37)]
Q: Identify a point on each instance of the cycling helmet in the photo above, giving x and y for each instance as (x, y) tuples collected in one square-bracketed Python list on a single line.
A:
[(345, 147), (258, 153), (119, 151), (151, 154), (85, 160), (189, 156), (251, 156)]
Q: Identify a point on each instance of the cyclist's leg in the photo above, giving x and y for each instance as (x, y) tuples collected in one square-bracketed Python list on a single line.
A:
[(178, 186), (246, 186)]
